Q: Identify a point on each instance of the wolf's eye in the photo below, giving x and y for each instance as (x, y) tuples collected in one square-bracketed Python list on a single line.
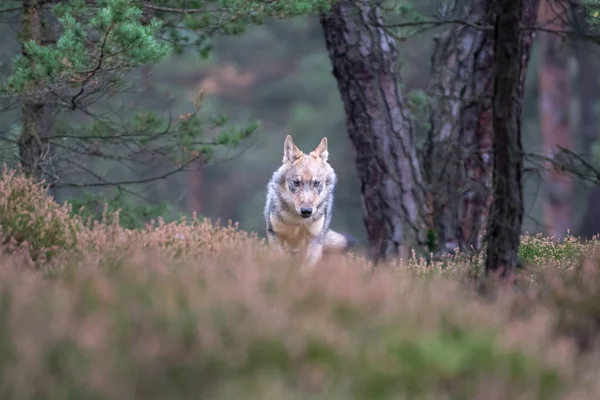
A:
[(317, 183)]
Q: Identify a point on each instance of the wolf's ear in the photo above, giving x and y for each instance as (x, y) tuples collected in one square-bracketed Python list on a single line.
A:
[(321, 150), (290, 152)]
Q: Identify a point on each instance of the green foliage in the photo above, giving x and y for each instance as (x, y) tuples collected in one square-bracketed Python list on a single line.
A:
[(400, 12), (431, 240), (452, 362), (112, 41), (200, 20), (99, 44), (175, 143), (532, 249), (592, 10), (132, 214)]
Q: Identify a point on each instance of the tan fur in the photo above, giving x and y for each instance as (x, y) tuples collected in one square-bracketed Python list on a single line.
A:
[(335, 242), (304, 183)]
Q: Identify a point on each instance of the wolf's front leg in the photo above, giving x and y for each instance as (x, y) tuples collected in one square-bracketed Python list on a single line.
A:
[(274, 242), (313, 253)]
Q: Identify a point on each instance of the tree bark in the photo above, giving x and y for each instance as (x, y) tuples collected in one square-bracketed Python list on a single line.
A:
[(587, 54), (364, 60), (554, 103), (32, 109), (38, 108), (458, 159), (511, 58), (194, 186)]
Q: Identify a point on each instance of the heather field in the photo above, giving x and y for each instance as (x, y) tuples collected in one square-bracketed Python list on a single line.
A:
[(193, 310)]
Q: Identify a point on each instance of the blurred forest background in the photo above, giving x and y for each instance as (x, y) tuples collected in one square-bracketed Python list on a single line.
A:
[(280, 74)]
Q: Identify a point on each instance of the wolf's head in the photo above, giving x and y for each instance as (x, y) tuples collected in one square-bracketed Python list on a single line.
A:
[(307, 179)]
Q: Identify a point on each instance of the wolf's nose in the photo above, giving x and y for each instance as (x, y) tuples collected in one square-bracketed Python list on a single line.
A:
[(306, 211)]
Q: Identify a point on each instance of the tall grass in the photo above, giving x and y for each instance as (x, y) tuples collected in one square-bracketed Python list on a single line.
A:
[(197, 310)]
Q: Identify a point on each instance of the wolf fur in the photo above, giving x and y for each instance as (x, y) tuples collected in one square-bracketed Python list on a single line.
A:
[(299, 204)]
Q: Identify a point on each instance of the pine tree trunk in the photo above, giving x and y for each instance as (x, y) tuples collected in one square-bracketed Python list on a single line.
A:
[(32, 108), (588, 81), (194, 186), (555, 96), (364, 59), (458, 158), (511, 58)]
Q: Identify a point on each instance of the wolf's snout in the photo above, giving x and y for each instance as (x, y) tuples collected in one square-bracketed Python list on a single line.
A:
[(306, 211)]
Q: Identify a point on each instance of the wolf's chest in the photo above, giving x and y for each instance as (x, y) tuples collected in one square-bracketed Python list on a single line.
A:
[(297, 235), (293, 236)]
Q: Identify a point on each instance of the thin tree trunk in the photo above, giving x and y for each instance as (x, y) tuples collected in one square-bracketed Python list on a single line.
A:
[(38, 109), (458, 159), (511, 58), (364, 59), (194, 186), (32, 108), (555, 97)]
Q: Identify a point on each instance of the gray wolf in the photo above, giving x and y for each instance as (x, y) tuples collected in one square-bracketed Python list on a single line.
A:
[(299, 204)]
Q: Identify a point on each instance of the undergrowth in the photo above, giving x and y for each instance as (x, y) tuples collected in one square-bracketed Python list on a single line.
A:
[(191, 309)]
